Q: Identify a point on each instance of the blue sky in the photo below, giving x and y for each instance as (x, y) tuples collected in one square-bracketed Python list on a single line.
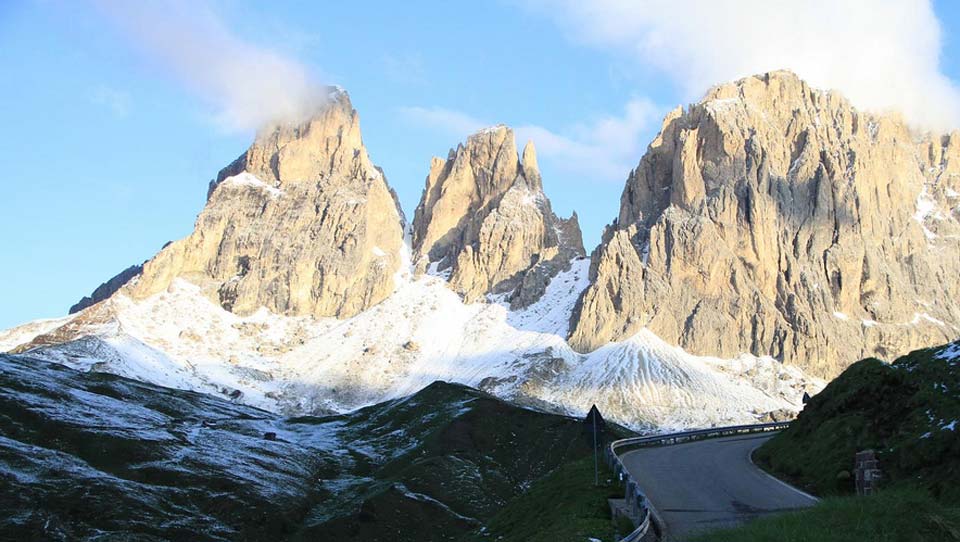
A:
[(109, 140)]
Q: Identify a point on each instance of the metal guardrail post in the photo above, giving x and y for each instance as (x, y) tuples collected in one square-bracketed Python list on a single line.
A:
[(641, 500)]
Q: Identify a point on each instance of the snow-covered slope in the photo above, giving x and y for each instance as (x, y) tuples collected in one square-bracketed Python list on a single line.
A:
[(420, 334), (24, 333), (93, 456)]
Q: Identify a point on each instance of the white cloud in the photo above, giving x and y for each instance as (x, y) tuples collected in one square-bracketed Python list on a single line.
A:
[(604, 149), (248, 85), (881, 54), (448, 121)]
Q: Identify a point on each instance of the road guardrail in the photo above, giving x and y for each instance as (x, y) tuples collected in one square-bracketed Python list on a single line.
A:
[(636, 501)]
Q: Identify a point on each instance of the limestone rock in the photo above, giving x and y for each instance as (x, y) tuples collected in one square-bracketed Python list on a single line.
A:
[(776, 219), (108, 288), (302, 223), (484, 218)]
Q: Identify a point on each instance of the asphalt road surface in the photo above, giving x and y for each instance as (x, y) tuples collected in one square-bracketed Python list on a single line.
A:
[(709, 484)]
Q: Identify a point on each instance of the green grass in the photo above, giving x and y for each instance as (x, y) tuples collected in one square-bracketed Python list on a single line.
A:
[(475, 454), (563, 506), (903, 515), (900, 410), (169, 464)]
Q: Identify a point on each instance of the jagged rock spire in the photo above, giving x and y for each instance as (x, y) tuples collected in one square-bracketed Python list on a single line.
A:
[(529, 167), (483, 216), (302, 223)]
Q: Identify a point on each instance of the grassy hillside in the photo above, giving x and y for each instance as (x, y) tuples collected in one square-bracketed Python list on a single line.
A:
[(86, 455), (563, 506), (471, 459), (890, 516), (909, 411)]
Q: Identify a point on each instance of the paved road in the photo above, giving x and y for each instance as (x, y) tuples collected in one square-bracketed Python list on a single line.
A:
[(709, 484)]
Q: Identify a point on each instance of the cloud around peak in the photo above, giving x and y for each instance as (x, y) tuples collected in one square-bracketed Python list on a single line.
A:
[(247, 85), (881, 54)]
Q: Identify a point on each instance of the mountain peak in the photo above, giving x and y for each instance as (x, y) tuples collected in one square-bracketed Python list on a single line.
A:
[(776, 80), (496, 130), (777, 219), (316, 146), (302, 223), (529, 166), (484, 217)]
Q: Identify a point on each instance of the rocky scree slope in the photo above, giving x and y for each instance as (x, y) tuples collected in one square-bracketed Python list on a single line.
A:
[(484, 219), (776, 219)]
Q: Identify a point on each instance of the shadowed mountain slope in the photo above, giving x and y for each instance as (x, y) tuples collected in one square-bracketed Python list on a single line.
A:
[(83, 455)]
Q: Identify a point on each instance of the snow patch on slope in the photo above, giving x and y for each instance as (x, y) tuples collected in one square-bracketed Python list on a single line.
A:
[(249, 180), (423, 333), (926, 208), (13, 337), (677, 390), (951, 353)]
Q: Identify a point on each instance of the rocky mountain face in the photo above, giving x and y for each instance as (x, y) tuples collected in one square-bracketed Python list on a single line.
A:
[(107, 289), (776, 219), (302, 226), (484, 218), (303, 223), (752, 226)]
